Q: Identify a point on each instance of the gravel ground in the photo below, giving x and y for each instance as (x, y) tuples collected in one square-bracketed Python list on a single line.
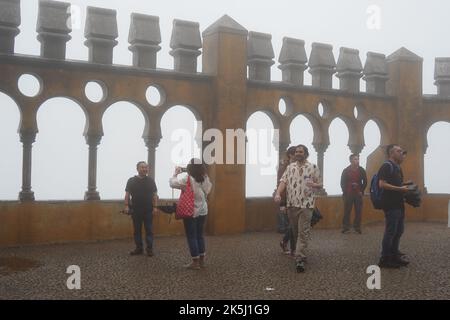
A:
[(245, 266)]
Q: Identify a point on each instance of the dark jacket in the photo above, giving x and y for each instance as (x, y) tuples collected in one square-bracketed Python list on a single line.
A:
[(362, 179)]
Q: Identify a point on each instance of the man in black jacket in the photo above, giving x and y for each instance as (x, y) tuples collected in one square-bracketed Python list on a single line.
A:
[(390, 178), (353, 184)]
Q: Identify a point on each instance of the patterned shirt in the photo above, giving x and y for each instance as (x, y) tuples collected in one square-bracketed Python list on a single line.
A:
[(295, 177)]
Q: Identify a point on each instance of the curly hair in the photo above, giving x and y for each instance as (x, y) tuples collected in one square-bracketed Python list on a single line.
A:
[(305, 149)]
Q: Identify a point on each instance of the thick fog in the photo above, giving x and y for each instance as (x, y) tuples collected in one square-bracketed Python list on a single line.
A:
[(60, 161)]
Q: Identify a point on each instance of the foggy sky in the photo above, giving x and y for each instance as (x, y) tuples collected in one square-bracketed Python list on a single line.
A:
[(60, 163)]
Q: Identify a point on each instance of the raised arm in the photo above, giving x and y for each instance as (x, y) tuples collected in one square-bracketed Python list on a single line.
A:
[(206, 185), (175, 183)]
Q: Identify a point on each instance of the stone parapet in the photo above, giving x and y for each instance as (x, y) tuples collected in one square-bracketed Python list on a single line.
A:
[(101, 34), (260, 55)]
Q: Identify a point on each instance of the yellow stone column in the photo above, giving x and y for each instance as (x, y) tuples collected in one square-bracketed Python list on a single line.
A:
[(225, 57), (405, 83)]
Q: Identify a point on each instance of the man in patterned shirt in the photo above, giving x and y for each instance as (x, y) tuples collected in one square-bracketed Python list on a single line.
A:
[(300, 180)]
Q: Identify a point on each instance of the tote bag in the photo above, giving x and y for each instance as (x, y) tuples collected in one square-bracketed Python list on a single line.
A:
[(185, 205)]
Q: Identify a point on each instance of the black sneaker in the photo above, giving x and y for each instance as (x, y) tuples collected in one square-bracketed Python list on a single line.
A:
[(345, 231), (136, 252), (401, 254), (300, 266), (388, 264), (358, 231), (149, 252), (401, 261)]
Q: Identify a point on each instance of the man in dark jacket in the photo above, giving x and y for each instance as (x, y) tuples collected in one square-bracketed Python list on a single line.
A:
[(353, 184), (390, 178)]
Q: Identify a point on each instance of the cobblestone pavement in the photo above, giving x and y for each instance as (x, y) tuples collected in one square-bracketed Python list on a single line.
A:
[(246, 266)]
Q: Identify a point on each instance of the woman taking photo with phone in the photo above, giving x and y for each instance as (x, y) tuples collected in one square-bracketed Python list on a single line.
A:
[(198, 180)]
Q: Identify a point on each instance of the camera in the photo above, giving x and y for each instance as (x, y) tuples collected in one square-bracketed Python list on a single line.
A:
[(183, 169)]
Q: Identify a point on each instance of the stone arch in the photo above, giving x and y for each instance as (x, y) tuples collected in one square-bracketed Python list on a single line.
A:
[(350, 125), (59, 145), (270, 114), (436, 173), (181, 133), (121, 147), (13, 98), (76, 101), (310, 140), (318, 136), (275, 121), (194, 110), (11, 159), (371, 141), (385, 133), (261, 154), (200, 123), (144, 111), (336, 156)]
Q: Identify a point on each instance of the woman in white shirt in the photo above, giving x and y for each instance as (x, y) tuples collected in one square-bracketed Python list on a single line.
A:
[(194, 226)]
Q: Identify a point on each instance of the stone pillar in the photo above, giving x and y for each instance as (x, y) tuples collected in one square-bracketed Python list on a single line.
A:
[(320, 149), (282, 140), (225, 57), (185, 43), (284, 137), (101, 34), (27, 139), (281, 147), (9, 23), (442, 76), (322, 65), (375, 73), (144, 39), (356, 148), (151, 143), (260, 56), (52, 27), (93, 140), (349, 69), (405, 83), (293, 61)]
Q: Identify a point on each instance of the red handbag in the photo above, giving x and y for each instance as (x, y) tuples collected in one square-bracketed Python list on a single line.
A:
[(185, 206)]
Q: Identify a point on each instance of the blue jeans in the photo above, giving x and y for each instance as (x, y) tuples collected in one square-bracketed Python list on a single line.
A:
[(143, 217), (193, 228), (289, 237), (394, 229), (282, 222)]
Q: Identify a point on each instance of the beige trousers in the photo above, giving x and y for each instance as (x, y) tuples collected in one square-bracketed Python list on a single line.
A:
[(300, 220)]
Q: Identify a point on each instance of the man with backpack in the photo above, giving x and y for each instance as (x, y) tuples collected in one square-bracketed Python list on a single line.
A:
[(393, 190), (353, 184)]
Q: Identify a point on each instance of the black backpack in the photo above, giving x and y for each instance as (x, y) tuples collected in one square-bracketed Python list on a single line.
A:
[(376, 192)]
